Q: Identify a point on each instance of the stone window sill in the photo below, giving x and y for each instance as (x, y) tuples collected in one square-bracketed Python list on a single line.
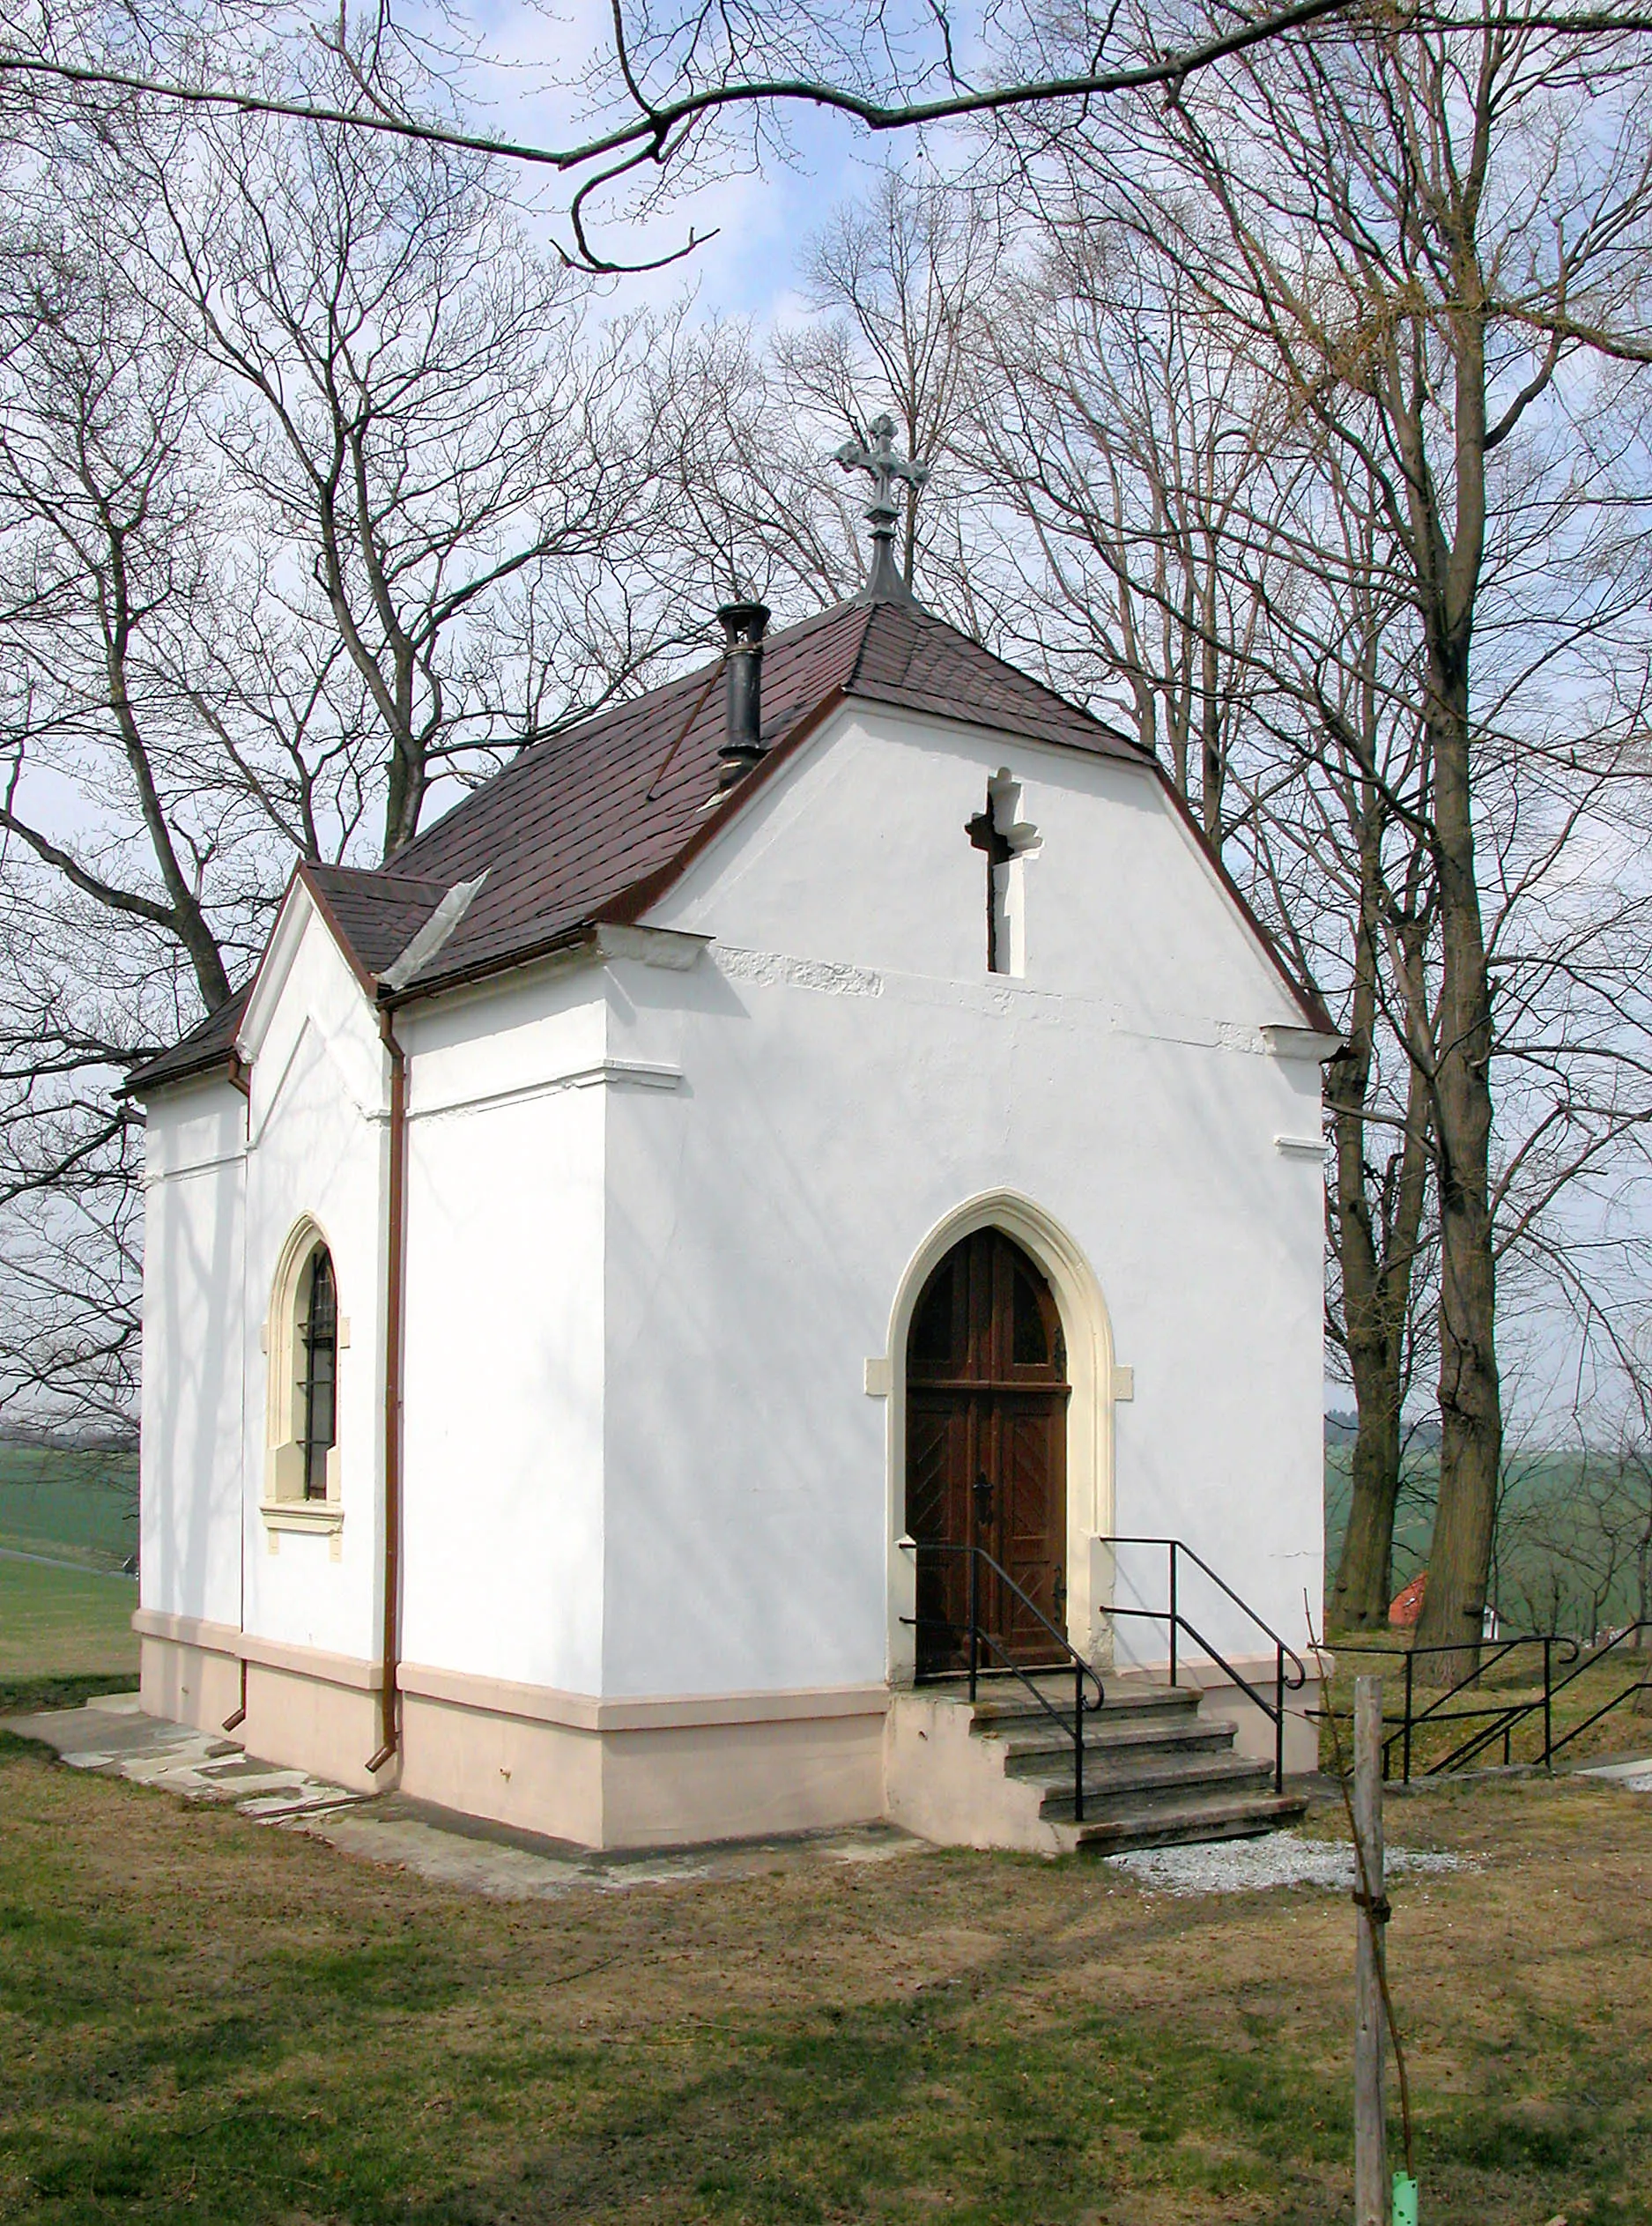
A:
[(325, 1516)]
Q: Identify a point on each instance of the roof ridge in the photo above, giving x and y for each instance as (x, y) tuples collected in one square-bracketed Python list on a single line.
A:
[(1029, 680), (871, 611), (377, 874)]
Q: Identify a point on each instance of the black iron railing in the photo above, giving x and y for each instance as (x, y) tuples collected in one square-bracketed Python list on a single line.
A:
[(983, 1641), (1497, 1722), (1639, 1633), (1285, 1680)]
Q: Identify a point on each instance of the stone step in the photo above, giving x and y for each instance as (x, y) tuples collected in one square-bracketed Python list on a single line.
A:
[(999, 1773), (1122, 1829), (1035, 1742), (1146, 1785), (1146, 1704)]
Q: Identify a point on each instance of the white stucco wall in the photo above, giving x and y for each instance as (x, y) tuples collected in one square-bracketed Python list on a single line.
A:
[(317, 1143), (503, 1402), (190, 1459), (659, 1215)]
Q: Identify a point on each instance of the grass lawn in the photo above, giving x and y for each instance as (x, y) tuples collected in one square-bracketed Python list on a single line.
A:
[(205, 2020), (63, 1624)]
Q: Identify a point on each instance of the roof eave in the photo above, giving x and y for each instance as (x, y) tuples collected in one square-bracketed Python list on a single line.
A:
[(626, 908), (136, 1086), (566, 939)]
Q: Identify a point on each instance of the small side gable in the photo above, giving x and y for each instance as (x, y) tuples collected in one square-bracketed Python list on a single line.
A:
[(370, 917), (307, 992), (299, 914)]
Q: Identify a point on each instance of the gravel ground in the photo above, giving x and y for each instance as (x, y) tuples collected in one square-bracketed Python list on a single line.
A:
[(1248, 1865)]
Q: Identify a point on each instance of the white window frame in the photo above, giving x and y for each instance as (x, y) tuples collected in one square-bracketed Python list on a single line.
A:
[(284, 1506)]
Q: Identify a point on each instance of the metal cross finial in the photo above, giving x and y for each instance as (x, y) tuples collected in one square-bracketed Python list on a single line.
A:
[(883, 512)]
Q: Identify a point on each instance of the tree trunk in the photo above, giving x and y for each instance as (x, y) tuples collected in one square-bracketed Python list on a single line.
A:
[(1470, 1405), (1364, 1584), (1449, 574), (1359, 1595), (1376, 1249)]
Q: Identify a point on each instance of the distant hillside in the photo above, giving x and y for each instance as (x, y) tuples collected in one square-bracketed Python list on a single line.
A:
[(69, 1504), (1342, 1427), (1563, 1559)]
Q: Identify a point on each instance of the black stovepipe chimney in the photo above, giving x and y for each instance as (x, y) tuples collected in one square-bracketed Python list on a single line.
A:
[(743, 626)]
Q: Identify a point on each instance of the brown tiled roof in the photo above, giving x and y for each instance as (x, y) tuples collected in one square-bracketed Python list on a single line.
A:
[(376, 912), (591, 825), (208, 1045), (374, 915)]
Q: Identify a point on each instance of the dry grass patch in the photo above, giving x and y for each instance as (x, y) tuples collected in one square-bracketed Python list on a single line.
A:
[(200, 2019)]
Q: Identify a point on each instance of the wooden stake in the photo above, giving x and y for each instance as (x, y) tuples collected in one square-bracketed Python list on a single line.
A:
[(1370, 2124)]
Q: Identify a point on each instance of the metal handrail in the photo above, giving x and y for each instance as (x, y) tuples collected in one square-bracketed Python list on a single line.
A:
[(1499, 1721), (1551, 1746), (1284, 1681), (1180, 1548), (978, 1636)]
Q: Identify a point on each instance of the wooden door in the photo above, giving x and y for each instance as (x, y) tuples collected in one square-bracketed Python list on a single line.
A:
[(987, 1398)]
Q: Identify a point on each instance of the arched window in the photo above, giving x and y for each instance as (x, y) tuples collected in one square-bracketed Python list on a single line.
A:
[(318, 1419), (304, 1337)]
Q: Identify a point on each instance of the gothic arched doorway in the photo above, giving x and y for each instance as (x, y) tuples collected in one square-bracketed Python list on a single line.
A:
[(987, 1396)]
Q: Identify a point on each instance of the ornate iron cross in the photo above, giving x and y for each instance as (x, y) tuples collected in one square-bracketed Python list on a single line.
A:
[(883, 513)]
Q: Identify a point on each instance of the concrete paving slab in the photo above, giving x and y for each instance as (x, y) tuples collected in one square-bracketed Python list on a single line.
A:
[(113, 1736), (503, 1873), (1634, 1774)]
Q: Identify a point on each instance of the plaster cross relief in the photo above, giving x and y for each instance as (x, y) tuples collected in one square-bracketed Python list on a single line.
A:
[(1007, 840)]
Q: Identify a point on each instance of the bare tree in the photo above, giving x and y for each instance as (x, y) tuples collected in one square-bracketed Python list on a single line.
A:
[(275, 556), (680, 96), (754, 508), (128, 894), (1366, 830), (1128, 448), (749, 428), (419, 407), (1432, 236), (897, 282)]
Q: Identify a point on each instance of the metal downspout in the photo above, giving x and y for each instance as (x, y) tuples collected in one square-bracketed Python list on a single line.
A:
[(394, 1291), (241, 1080)]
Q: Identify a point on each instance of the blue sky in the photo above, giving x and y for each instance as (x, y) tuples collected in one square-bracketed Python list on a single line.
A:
[(760, 219)]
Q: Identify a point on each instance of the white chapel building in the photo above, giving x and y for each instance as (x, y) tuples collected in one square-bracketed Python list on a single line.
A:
[(753, 1206)]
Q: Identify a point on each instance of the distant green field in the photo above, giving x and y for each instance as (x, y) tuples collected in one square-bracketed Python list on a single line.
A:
[(57, 1622), (76, 1507), (1563, 1559)]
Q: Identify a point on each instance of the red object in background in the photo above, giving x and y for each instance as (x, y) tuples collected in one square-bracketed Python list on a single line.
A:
[(1409, 1606)]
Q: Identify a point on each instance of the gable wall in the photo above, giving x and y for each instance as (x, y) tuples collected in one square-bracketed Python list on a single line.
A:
[(194, 1270), (858, 855), (318, 1140), (851, 1074)]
